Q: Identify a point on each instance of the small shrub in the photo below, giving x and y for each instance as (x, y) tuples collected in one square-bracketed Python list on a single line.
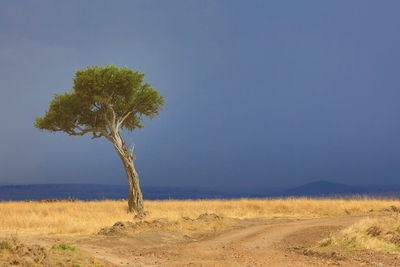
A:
[(326, 242), (351, 242), (398, 229), (63, 247), (5, 245), (374, 231)]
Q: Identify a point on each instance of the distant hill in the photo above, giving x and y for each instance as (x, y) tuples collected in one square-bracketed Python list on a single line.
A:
[(325, 189), (99, 192)]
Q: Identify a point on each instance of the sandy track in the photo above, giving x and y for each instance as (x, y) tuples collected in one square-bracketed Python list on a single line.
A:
[(257, 243)]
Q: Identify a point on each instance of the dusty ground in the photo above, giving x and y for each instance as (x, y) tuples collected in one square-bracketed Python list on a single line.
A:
[(253, 242)]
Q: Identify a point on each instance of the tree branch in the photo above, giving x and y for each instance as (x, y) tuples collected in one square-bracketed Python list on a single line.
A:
[(113, 115), (83, 131), (96, 135), (124, 117)]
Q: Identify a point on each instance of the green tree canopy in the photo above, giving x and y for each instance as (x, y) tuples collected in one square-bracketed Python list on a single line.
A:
[(103, 99)]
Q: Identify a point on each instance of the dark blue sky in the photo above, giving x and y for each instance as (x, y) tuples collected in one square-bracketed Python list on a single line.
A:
[(261, 93)]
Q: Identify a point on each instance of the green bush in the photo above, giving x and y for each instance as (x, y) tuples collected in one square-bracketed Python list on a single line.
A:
[(64, 247), (5, 245)]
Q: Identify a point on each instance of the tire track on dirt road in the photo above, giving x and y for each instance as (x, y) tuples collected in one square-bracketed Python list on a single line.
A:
[(255, 245)]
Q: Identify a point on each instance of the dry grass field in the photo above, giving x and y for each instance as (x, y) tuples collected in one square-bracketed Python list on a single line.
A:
[(241, 232), (83, 218), (378, 233)]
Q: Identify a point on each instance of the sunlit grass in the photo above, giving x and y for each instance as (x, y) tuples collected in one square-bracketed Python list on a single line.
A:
[(79, 218), (379, 233)]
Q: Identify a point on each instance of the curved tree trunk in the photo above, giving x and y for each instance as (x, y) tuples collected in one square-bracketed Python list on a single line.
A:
[(135, 197)]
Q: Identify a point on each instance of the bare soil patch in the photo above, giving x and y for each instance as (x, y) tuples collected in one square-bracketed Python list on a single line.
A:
[(13, 252)]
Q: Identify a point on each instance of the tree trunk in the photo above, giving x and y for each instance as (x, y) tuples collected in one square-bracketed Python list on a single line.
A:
[(135, 197)]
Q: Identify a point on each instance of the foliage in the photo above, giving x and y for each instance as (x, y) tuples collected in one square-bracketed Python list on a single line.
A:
[(103, 100), (5, 245), (63, 247)]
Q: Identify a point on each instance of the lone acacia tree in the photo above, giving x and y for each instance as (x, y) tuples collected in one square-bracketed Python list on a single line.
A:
[(103, 101)]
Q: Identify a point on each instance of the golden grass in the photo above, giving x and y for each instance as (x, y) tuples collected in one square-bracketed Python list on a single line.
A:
[(80, 218), (379, 233)]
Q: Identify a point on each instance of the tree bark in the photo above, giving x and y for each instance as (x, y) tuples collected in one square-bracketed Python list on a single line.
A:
[(135, 197)]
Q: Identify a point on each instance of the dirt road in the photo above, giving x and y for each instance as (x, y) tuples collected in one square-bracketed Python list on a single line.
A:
[(254, 243), (275, 243)]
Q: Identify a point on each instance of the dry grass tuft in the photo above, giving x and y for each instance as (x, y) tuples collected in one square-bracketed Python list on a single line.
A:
[(379, 233), (80, 218), (15, 253)]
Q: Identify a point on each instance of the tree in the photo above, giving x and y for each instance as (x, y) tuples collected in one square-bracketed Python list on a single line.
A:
[(103, 102)]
